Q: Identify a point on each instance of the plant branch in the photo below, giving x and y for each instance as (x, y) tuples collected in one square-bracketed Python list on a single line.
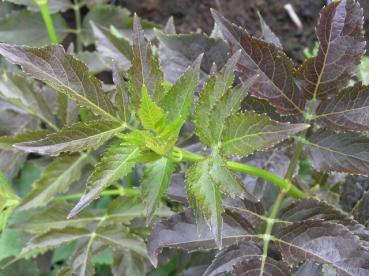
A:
[(78, 30), (120, 191), (48, 21), (181, 154)]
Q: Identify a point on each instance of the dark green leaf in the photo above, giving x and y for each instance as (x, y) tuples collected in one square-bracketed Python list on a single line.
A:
[(54, 5), (63, 73), (117, 162), (339, 31), (112, 48), (27, 28), (128, 263), (55, 179), (157, 176), (145, 70), (205, 197), (76, 138)]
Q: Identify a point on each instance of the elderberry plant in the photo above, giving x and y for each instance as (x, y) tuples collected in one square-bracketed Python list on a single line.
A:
[(238, 152)]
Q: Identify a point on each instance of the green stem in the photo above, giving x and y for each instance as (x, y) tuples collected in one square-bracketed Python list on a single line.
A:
[(269, 226), (120, 191), (48, 21), (180, 154), (78, 31)]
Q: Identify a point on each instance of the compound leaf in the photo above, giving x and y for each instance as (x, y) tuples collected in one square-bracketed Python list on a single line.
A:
[(117, 162), (249, 132), (348, 111), (275, 82), (340, 152), (62, 72), (75, 138), (157, 176), (339, 32)]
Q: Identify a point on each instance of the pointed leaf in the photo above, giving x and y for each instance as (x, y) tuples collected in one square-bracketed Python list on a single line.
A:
[(112, 48), (157, 176), (177, 52), (117, 162), (249, 132), (76, 138), (267, 34), (151, 115), (180, 232), (323, 242), (340, 152), (205, 197), (347, 111), (117, 237), (55, 179), (7, 142), (63, 73), (54, 5), (145, 70), (52, 239), (30, 30), (215, 87), (81, 260), (275, 83), (178, 101), (339, 32), (128, 263)]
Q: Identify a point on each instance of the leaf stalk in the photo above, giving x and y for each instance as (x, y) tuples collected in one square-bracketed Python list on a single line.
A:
[(48, 21)]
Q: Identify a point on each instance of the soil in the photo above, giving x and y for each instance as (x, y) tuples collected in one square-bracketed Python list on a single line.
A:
[(192, 15)]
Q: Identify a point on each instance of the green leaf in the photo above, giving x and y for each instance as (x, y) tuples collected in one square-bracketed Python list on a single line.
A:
[(55, 179), (340, 33), (348, 111), (363, 74), (63, 73), (12, 241), (275, 83), (249, 132), (117, 162), (75, 138), (27, 28), (214, 89), (128, 263), (112, 48), (145, 70), (205, 197), (178, 101), (151, 115), (25, 94), (157, 177), (226, 181), (6, 142), (52, 239), (118, 237), (8, 201), (340, 152), (54, 5)]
